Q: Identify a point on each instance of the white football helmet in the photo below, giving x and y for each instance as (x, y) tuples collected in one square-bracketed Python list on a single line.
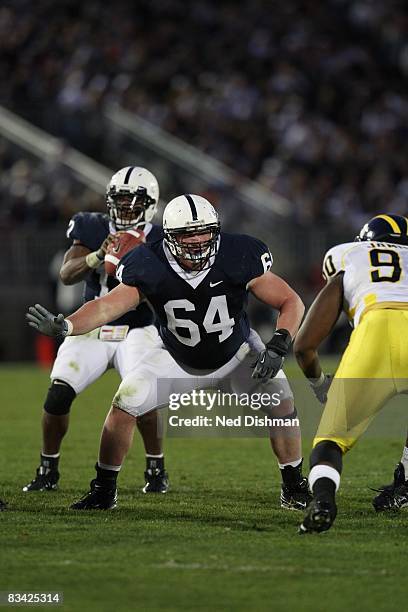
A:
[(191, 215), (132, 196)]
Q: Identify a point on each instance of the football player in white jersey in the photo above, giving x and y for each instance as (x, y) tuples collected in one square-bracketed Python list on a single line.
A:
[(367, 278), (132, 196)]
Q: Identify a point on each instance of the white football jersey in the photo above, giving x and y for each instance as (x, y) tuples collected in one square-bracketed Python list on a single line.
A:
[(374, 273)]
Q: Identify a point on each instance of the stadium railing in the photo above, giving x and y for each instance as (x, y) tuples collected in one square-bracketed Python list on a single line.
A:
[(26, 251)]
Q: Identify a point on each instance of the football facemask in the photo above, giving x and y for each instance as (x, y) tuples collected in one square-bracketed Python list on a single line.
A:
[(129, 210), (184, 245), (131, 197)]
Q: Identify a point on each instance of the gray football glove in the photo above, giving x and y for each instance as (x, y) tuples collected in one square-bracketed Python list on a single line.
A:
[(271, 359), (267, 365), (47, 323), (321, 387)]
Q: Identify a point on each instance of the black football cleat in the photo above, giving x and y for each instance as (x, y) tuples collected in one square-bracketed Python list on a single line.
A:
[(3, 505), (157, 481), (399, 479), (45, 480), (98, 498), (296, 496), (393, 496), (319, 516)]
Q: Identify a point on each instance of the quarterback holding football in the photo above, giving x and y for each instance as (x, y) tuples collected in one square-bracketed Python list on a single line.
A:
[(121, 342)]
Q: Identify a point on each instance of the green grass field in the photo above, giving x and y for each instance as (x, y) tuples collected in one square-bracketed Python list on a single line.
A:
[(217, 541)]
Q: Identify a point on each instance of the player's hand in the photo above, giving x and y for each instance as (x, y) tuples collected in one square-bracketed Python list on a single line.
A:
[(47, 323), (271, 359), (267, 365), (110, 239), (321, 386)]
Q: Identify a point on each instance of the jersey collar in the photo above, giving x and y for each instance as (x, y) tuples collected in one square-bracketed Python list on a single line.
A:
[(147, 228)]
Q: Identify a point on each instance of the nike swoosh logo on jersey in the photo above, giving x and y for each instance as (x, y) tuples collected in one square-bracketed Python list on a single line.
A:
[(215, 284)]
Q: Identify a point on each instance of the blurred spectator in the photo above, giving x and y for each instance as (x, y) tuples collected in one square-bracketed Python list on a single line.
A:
[(38, 193), (309, 98)]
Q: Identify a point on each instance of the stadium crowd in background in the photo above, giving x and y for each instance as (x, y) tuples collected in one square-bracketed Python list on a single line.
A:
[(308, 98), (39, 193)]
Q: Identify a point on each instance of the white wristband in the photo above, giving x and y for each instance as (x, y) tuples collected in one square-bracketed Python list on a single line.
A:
[(70, 327), (317, 382), (92, 260)]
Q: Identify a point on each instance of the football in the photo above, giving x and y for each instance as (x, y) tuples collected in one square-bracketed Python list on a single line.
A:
[(125, 242)]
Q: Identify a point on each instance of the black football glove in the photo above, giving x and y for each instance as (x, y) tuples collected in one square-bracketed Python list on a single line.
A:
[(321, 386), (271, 359), (47, 323)]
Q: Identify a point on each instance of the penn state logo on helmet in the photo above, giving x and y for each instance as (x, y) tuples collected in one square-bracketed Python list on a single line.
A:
[(385, 228), (132, 196), (191, 230)]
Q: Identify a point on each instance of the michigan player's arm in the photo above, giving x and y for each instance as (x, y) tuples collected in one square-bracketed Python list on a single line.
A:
[(274, 291), (79, 260), (319, 322)]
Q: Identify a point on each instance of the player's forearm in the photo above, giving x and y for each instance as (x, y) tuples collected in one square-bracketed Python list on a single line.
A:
[(319, 322), (91, 315), (290, 314), (308, 360), (275, 292), (103, 310), (305, 349), (74, 270)]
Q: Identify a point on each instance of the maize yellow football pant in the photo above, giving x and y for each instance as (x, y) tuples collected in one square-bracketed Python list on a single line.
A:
[(373, 369)]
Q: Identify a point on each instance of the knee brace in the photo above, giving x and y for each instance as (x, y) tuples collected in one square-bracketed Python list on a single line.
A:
[(281, 411), (292, 415), (327, 451), (59, 398)]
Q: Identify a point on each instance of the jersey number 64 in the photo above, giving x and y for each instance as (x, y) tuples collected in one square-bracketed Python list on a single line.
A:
[(217, 309)]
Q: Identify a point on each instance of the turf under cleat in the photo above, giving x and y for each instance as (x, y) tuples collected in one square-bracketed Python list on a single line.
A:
[(157, 481), (45, 480), (393, 496), (98, 498), (3, 505), (319, 516), (295, 497)]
